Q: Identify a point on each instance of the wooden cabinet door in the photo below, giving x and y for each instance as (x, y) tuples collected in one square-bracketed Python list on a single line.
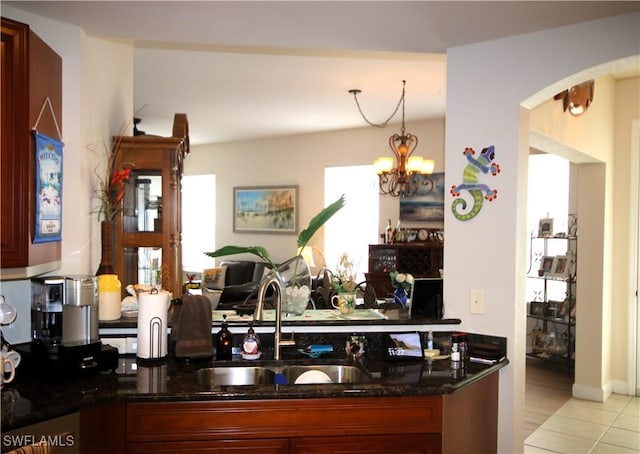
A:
[(261, 446), (371, 444), (31, 73)]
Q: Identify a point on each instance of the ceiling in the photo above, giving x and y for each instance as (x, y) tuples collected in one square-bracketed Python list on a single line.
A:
[(245, 70)]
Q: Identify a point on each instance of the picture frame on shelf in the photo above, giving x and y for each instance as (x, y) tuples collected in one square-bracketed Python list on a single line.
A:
[(561, 265), (265, 209), (546, 265), (545, 228), (553, 309), (537, 308)]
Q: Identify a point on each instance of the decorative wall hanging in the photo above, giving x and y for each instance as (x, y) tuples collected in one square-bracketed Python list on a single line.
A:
[(48, 156), (270, 209), (48, 189), (426, 205), (478, 191)]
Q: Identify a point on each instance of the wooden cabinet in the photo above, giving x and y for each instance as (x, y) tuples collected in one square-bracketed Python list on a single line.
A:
[(465, 420), (385, 424), (148, 231), (31, 73), (419, 259)]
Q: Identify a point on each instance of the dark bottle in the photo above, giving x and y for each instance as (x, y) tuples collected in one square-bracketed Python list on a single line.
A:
[(223, 341)]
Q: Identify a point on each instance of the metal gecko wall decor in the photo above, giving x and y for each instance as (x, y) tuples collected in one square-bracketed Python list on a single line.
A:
[(470, 182)]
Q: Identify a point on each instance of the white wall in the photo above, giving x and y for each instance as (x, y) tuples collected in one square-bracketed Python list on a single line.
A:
[(489, 252), (300, 160)]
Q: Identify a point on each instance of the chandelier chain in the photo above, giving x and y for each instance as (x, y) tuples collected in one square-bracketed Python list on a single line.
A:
[(386, 122)]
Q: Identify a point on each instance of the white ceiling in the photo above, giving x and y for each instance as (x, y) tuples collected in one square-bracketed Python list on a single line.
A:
[(243, 70)]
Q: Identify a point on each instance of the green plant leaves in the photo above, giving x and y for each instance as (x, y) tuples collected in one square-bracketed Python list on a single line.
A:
[(232, 250), (319, 220)]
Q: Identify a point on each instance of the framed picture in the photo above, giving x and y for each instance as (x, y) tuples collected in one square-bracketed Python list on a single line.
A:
[(48, 189), (546, 265), (265, 209), (561, 265), (537, 308), (427, 205), (545, 228)]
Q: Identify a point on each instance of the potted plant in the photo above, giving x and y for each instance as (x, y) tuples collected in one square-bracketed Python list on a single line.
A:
[(402, 283), (344, 283)]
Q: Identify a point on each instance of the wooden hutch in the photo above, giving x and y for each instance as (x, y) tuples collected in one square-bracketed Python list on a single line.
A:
[(148, 231)]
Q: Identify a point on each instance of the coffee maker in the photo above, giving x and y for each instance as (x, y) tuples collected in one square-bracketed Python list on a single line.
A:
[(64, 323)]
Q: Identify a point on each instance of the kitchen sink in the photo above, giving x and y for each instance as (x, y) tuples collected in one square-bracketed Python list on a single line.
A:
[(324, 373), (235, 376), (281, 374)]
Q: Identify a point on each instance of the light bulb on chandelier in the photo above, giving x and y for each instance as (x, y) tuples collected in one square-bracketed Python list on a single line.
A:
[(411, 172)]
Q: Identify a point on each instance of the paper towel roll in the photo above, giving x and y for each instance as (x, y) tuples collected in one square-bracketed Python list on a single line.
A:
[(152, 324)]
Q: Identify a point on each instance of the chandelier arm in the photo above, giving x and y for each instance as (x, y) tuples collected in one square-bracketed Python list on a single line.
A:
[(414, 140), (392, 140), (395, 111)]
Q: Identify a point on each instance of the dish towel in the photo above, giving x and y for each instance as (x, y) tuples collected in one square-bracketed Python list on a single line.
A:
[(191, 327)]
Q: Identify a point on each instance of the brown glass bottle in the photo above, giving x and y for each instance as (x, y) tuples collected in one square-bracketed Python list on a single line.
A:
[(224, 342)]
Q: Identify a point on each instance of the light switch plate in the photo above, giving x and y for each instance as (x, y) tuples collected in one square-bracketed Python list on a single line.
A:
[(476, 301)]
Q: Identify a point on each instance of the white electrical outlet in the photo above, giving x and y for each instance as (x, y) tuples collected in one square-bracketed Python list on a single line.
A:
[(476, 301), (132, 345)]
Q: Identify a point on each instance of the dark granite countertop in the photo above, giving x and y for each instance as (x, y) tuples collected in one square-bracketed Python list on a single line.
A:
[(35, 397)]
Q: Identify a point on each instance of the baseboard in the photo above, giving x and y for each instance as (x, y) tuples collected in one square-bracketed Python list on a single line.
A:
[(621, 387), (592, 393)]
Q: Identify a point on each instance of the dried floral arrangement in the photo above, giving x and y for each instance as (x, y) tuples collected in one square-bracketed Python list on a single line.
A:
[(110, 188), (344, 278)]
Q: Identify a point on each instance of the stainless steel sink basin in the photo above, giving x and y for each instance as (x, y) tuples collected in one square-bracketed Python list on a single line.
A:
[(235, 376), (323, 373)]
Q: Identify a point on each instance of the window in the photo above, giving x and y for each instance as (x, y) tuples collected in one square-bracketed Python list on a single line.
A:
[(198, 221), (354, 227)]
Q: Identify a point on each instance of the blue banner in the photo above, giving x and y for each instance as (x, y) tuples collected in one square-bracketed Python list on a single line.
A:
[(48, 189)]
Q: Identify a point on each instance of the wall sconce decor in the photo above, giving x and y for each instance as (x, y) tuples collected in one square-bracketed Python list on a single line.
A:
[(577, 98), (410, 172)]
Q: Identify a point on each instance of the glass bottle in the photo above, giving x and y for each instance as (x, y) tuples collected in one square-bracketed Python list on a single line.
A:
[(224, 342), (388, 233)]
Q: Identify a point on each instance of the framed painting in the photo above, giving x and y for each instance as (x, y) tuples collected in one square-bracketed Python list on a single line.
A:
[(427, 205), (265, 209), (48, 225)]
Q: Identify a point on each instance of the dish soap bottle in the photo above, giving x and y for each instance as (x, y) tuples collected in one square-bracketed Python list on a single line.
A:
[(251, 345), (224, 342)]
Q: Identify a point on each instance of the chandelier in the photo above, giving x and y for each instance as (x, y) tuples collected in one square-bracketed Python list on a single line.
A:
[(410, 172)]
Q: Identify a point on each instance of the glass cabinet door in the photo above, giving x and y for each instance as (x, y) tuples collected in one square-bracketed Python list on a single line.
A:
[(143, 265), (143, 202)]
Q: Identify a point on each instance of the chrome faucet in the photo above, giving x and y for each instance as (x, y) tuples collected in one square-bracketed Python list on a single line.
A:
[(278, 296)]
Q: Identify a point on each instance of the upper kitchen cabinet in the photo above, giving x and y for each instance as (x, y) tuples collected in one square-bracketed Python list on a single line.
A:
[(148, 230), (31, 74)]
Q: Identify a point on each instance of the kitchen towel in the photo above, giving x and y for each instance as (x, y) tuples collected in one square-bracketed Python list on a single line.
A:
[(191, 327)]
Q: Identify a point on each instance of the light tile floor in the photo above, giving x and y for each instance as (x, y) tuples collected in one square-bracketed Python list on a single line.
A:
[(583, 426)]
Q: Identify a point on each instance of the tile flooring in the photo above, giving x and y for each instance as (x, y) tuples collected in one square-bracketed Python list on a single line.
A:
[(580, 426)]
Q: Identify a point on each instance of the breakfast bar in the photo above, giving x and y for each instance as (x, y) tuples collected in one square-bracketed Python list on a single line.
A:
[(371, 403)]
